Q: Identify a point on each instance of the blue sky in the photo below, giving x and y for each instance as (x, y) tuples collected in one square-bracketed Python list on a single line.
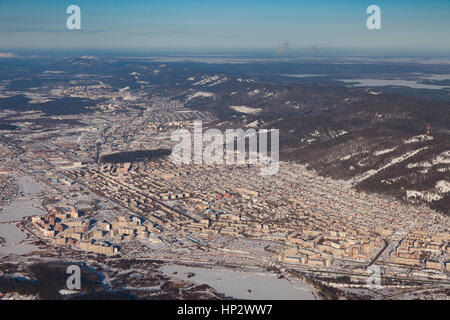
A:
[(203, 25)]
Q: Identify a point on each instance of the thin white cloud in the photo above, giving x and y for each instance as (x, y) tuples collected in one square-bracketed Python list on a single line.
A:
[(7, 55)]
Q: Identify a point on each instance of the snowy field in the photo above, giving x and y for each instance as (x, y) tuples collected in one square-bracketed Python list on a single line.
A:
[(243, 285)]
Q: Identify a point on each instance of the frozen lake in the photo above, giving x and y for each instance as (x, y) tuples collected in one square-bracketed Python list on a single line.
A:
[(11, 234), (12, 237), (244, 285), (25, 206), (22, 207), (18, 249), (386, 82), (303, 75)]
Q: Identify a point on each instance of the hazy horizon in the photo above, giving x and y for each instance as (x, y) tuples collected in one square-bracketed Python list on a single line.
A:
[(286, 26)]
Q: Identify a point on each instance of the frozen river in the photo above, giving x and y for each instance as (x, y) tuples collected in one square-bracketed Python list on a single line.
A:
[(244, 285)]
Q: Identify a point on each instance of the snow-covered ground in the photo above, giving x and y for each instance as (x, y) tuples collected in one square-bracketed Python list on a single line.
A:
[(211, 80), (443, 186), (200, 94), (443, 158), (218, 82), (253, 124), (245, 109), (399, 159), (380, 152), (244, 285), (419, 138), (254, 92), (422, 195)]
